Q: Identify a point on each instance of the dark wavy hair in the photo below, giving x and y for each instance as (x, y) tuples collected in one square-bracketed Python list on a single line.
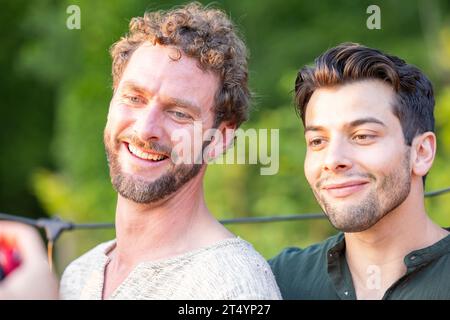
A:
[(350, 62)]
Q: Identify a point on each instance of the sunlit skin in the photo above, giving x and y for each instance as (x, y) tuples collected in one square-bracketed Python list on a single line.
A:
[(152, 101), (367, 180), (155, 96)]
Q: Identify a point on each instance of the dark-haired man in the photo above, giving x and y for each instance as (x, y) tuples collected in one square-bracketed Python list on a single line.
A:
[(369, 124)]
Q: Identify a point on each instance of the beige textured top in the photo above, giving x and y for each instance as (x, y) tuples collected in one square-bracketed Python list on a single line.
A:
[(229, 269)]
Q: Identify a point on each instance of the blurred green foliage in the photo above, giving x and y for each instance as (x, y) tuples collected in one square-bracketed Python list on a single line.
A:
[(56, 87)]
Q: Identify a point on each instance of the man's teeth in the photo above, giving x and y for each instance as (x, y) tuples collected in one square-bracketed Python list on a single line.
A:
[(144, 155)]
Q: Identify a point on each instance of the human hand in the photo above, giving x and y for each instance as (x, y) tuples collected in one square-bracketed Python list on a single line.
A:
[(32, 279)]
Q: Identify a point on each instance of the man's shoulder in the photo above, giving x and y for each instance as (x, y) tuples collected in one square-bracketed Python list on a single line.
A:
[(236, 254), (242, 271), (304, 258), (78, 270), (302, 273), (90, 257)]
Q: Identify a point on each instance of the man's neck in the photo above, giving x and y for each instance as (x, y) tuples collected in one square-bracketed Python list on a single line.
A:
[(152, 232), (380, 250)]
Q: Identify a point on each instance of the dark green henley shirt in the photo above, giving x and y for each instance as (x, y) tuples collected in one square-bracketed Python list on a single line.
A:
[(321, 272)]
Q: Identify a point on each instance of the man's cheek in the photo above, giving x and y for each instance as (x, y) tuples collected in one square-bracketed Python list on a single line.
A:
[(108, 136), (309, 171)]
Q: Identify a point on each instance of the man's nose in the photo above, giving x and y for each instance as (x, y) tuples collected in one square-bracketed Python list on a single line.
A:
[(149, 124), (337, 157)]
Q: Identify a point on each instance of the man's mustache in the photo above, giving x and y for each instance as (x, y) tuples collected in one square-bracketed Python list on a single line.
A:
[(145, 145), (343, 178)]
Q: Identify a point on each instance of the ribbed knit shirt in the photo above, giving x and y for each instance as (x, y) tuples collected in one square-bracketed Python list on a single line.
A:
[(230, 269)]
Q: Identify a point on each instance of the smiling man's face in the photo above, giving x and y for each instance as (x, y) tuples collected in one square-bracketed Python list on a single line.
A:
[(357, 162), (160, 92)]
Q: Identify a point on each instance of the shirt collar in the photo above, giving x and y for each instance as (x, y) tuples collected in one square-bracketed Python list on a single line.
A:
[(413, 259), (338, 270), (340, 275), (426, 255)]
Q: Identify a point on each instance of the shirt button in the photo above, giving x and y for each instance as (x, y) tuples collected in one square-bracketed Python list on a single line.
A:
[(346, 293)]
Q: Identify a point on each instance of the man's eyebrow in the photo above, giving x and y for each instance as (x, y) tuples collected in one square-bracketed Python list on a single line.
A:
[(314, 128), (354, 123), (358, 122), (133, 85), (182, 103)]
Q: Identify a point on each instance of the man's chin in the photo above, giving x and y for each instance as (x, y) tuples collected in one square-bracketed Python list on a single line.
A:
[(154, 202), (143, 191), (350, 229), (139, 180), (353, 223)]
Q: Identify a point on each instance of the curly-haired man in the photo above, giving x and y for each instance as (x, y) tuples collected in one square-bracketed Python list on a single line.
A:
[(172, 70)]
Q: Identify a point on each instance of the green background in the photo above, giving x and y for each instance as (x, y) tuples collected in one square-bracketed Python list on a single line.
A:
[(55, 88)]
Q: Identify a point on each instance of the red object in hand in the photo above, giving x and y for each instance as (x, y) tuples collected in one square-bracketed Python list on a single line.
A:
[(9, 257)]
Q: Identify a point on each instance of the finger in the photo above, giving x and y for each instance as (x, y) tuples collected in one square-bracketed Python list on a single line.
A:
[(25, 238)]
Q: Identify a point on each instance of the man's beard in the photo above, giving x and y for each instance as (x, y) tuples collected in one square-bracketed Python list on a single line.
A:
[(140, 190), (360, 216)]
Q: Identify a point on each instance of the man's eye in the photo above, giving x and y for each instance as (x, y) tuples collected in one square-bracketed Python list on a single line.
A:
[(363, 137), (315, 142), (134, 99), (180, 115)]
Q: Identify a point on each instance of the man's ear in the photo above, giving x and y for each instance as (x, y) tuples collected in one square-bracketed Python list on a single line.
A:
[(222, 139), (424, 150)]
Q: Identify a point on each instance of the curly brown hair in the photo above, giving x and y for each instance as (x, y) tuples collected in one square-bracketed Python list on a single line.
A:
[(205, 34)]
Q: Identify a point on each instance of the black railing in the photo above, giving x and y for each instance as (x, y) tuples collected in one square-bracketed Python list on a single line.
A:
[(54, 226)]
